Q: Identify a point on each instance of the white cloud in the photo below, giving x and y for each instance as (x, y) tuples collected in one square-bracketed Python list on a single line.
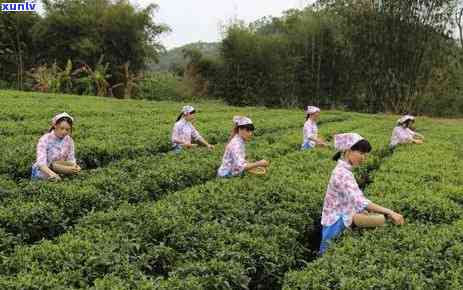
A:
[(200, 20)]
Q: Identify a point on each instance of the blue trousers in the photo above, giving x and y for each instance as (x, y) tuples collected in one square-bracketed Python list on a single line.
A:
[(306, 146), (329, 233), (177, 148)]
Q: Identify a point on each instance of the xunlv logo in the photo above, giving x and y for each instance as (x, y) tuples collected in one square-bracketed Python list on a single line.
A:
[(19, 7)]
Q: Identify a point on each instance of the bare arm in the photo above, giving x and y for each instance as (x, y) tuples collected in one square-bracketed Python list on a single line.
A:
[(205, 143), (176, 141), (395, 217), (317, 140), (51, 174), (252, 165)]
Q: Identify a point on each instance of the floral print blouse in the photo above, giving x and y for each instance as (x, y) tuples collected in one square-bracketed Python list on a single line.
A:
[(401, 135), (310, 132), (343, 196), (185, 132), (51, 148), (234, 158)]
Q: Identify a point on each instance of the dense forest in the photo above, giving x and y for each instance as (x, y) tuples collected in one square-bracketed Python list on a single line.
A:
[(372, 56), (78, 46)]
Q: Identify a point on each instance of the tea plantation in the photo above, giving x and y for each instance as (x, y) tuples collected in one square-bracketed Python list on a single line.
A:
[(141, 217)]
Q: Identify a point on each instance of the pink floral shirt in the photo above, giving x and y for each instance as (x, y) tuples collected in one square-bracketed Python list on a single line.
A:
[(343, 197), (184, 132), (52, 148), (310, 132), (401, 135), (234, 158)]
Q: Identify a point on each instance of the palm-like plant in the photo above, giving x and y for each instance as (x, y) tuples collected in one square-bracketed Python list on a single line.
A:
[(85, 79), (129, 81), (41, 76), (48, 79), (94, 79), (66, 77)]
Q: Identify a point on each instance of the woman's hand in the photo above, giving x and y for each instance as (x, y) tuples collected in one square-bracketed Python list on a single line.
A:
[(321, 142), (396, 218), (210, 147), (54, 177), (393, 216), (262, 163), (75, 169)]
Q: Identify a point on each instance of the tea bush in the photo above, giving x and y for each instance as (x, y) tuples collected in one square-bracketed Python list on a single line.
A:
[(141, 217)]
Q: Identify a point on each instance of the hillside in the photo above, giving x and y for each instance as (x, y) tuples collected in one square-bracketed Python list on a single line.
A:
[(175, 55)]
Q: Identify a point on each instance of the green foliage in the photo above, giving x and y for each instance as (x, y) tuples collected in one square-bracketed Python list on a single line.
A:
[(84, 30), (424, 184), (410, 257), (93, 82), (129, 83), (371, 56), (81, 31), (52, 79), (17, 49)]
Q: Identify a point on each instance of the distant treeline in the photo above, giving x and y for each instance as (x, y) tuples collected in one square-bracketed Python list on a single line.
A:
[(373, 56)]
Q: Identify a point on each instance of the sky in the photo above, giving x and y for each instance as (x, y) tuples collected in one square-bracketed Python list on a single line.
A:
[(200, 20)]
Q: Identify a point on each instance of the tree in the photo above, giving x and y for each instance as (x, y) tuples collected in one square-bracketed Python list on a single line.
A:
[(366, 55), (459, 22), (394, 44), (16, 45), (83, 30), (129, 82), (287, 61)]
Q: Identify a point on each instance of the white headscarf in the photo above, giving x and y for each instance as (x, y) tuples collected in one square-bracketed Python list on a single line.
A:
[(187, 109), (344, 142), (59, 116), (241, 121), (404, 119), (312, 110)]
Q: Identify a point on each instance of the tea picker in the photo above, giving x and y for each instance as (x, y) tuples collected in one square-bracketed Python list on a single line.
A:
[(403, 134), (310, 130), (234, 161), (344, 204), (184, 132), (55, 151)]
